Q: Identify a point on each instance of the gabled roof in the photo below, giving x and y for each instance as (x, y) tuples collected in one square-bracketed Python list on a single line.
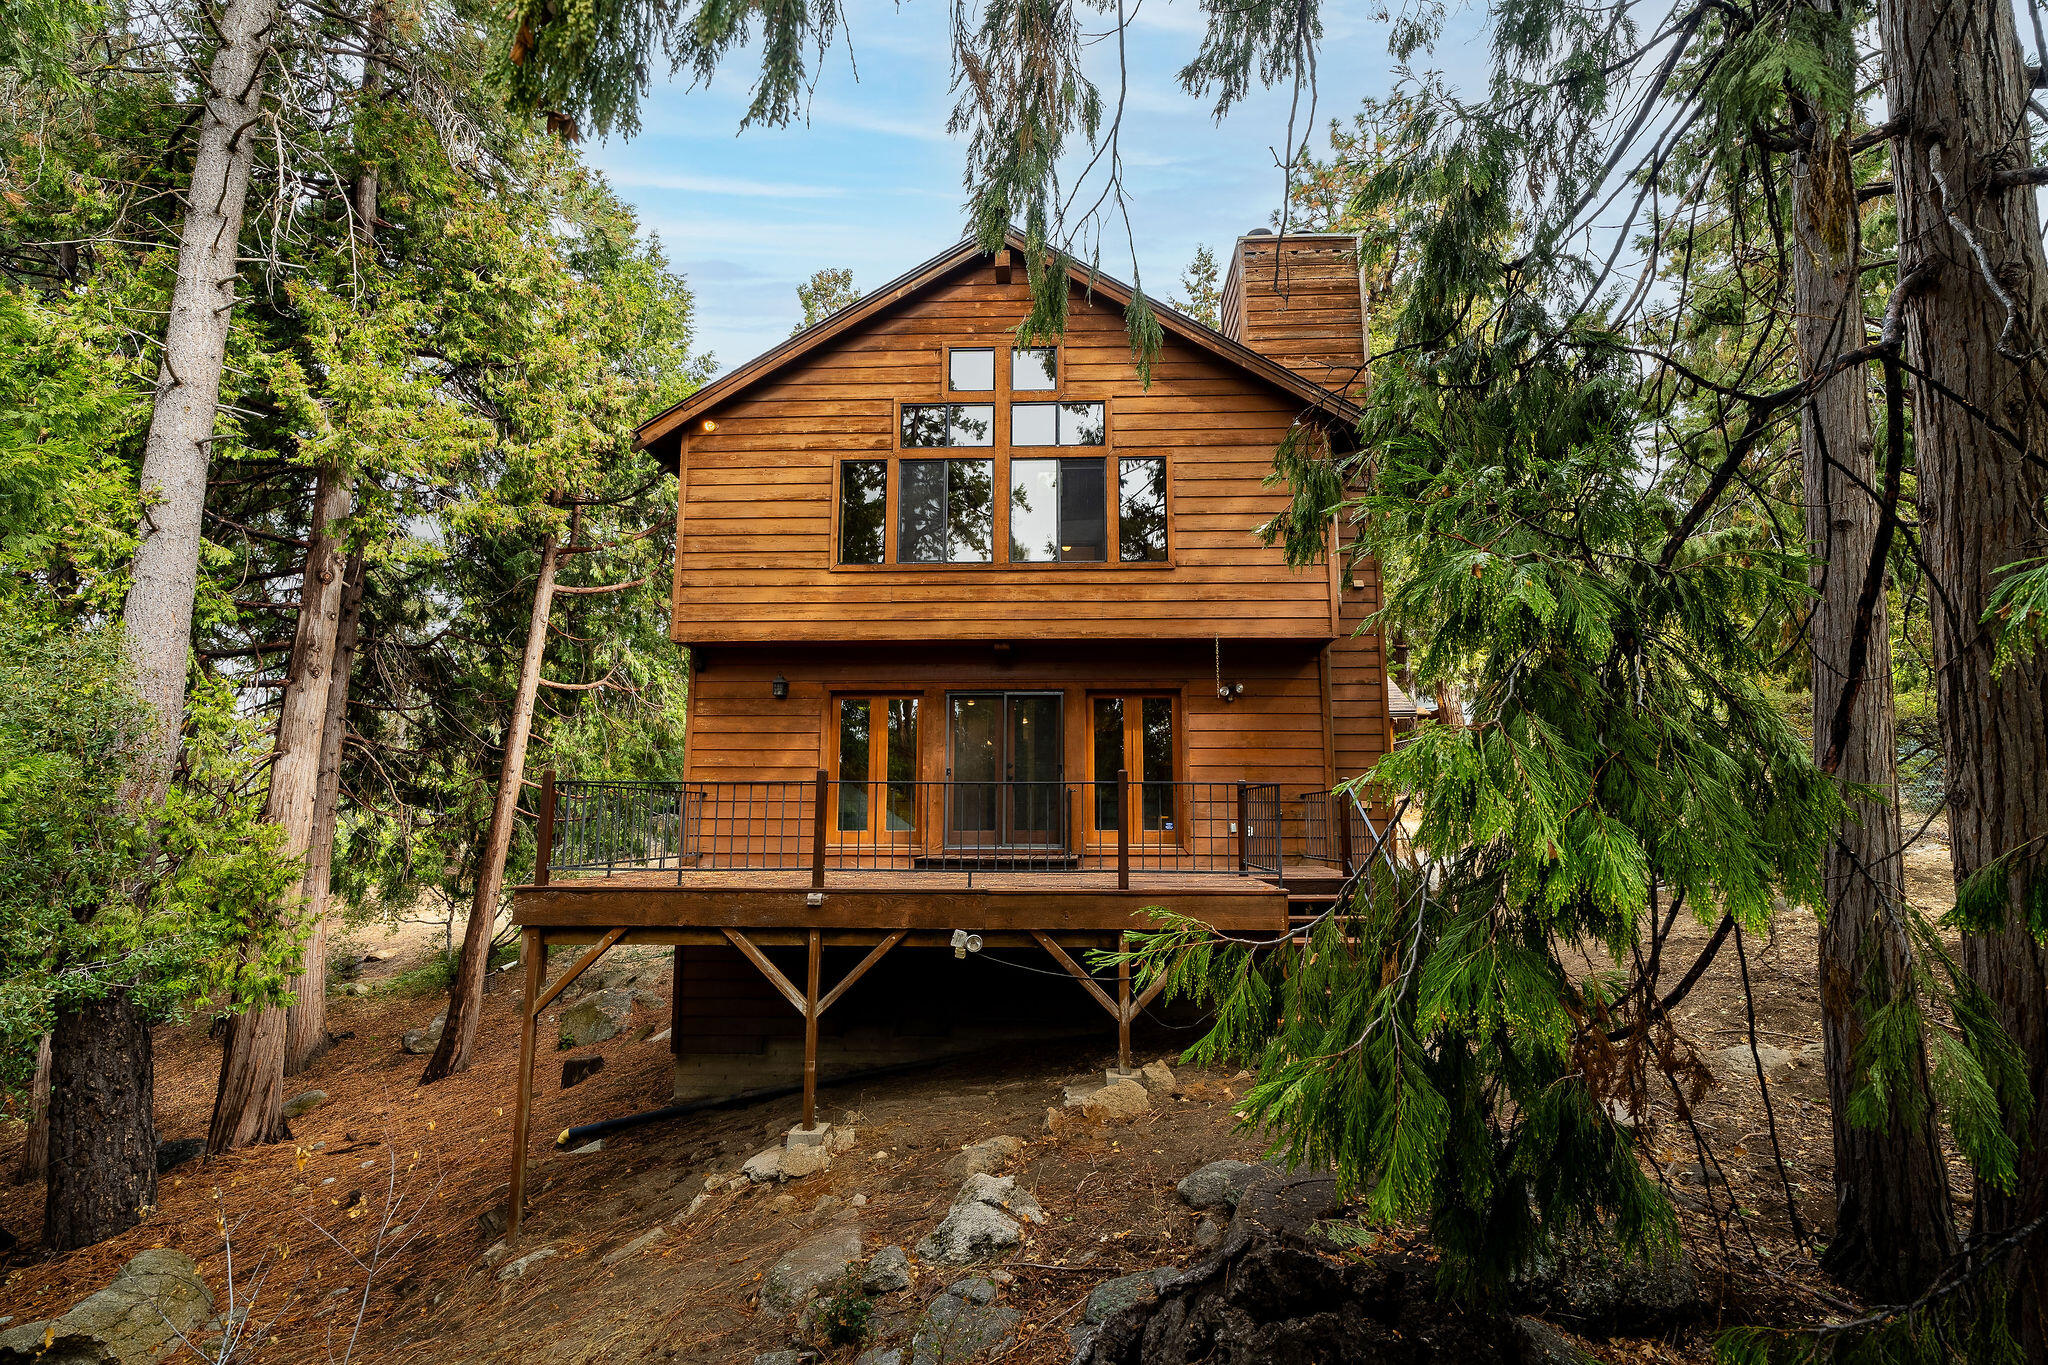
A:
[(908, 285)]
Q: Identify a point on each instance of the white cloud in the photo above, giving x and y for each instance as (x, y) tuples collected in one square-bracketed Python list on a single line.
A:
[(642, 179)]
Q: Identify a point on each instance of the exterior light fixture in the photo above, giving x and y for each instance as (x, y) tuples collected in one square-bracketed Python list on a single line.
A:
[(710, 425), (779, 689)]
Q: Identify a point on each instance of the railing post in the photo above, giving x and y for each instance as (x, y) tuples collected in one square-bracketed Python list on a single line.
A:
[(1123, 829), (1340, 810), (544, 847), (818, 833), (1244, 827)]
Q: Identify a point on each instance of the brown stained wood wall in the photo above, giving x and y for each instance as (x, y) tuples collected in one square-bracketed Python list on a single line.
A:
[(756, 558), (1306, 313), (1358, 693)]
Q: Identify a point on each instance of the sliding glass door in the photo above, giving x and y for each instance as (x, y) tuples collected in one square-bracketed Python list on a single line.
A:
[(1008, 777)]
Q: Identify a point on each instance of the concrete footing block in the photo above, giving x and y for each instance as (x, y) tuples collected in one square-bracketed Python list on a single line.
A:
[(801, 1136)]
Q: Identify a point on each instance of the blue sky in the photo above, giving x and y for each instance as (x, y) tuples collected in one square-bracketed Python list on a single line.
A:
[(873, 182)]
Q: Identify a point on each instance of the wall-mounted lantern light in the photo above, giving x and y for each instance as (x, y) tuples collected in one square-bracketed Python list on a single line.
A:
[(779, 689)]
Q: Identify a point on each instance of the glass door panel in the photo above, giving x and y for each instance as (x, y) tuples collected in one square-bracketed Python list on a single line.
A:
[(974, 729), (876, 767), (1036, 791), (1134, 734)]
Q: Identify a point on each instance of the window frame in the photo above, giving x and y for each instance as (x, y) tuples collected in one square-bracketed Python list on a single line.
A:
[(876, 832), (1133, 699), (994, 354)]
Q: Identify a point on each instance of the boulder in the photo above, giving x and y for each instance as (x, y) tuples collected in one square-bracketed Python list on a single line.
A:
[(1208, 1234), (763, 1166), (957, 1327), (636, 1246), (577, 1070), (1113, 1296), (1287, 1207), (880, 1355), (888, 1271), (420, 1041), (982, 1158), (1158, 1078), (1218, 1185), (134, 1320), (985, 1220), (784, 1358), (596, 1017), (798, 1162), (1734, 1064), (1543, 1344), (809, 1267), (305, 1102), (1589, 1283), (1117, 1103)]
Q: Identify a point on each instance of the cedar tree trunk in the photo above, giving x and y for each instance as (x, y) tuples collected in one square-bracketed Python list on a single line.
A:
[(248, 1106), (1894, 1225), (35, 1153), (305, 1036), (1957, 85), (466, 994)]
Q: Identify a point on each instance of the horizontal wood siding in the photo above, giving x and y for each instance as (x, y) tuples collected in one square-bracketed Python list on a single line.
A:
[(755, 556), (1358, 692), (1307, 313)]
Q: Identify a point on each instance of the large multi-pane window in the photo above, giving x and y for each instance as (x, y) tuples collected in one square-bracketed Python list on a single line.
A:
[(945, 511), (1025, 502), (876, 765)]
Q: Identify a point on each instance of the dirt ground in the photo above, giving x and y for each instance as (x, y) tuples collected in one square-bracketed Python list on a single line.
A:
[(388, 1178)]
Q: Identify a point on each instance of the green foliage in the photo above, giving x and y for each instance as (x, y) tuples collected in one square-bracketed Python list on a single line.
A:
[(1202, 289), (96, 897), (841, 1315), (2019, 610), (826, 292)]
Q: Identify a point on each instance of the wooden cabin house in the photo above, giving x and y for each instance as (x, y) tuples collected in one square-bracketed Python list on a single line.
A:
[(987, 659)]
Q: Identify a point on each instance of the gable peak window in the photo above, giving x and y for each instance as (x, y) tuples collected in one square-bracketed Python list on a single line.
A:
[(1034, 369), (971, 370), (948, 424), (1057, 424)]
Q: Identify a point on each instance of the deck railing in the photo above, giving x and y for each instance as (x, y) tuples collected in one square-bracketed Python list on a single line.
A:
[(1338, 829), (823, 824)]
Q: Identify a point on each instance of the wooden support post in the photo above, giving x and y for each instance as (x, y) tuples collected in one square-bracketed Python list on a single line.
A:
[(532, 956), (1341, 808), (1244, 810), (1123, 1005), (544, 841), (816, 954), (675, 1006), (1123, 829), (818, 833)]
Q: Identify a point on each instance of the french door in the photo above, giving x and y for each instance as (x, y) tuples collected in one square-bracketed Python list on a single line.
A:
[(1006, 768)]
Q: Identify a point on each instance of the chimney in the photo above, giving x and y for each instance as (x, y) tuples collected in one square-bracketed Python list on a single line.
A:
[(1297, 299)]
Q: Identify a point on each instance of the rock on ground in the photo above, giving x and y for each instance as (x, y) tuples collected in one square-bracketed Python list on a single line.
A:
[(152, 1299), (1261, 1301), (596, 1017), (1287, 1207), (577, 1070), (798, 1162), (176, 1152), (1116, 1103), (809, 1267), (1218, 1185), (962, 1324), (888, 1270), (983, 1158), (420, 1041), (513, 1270), (1589, 1283), (985, 1220), (880, 1355), (304, 1103), (1158, 1078), (636, 1246), (1543, 1344), (763, 1166)]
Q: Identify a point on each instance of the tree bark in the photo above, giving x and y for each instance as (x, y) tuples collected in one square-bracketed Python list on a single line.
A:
[(1956, 83), (35, 1153), (466, 994), (102, 1132), (1894, 1223), (101, 1063), (306, 1018), (248, 1106)]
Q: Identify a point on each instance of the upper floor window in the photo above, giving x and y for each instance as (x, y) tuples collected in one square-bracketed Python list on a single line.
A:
[(945, 512), (971, 371), (1056, 424), (863, 510), (949, 424), (1034, 369), (1057, 511), (1141, 509)]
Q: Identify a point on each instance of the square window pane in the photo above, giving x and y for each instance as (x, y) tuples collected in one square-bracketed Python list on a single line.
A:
[(1084, 513), (970, 371), (924, 424), (1141, 510), (863, 497), (1081, 424), (971, 510), (1034, 369), (855, 714), (973, 424), (1034, 511), (1034, 424), (921, 512)]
